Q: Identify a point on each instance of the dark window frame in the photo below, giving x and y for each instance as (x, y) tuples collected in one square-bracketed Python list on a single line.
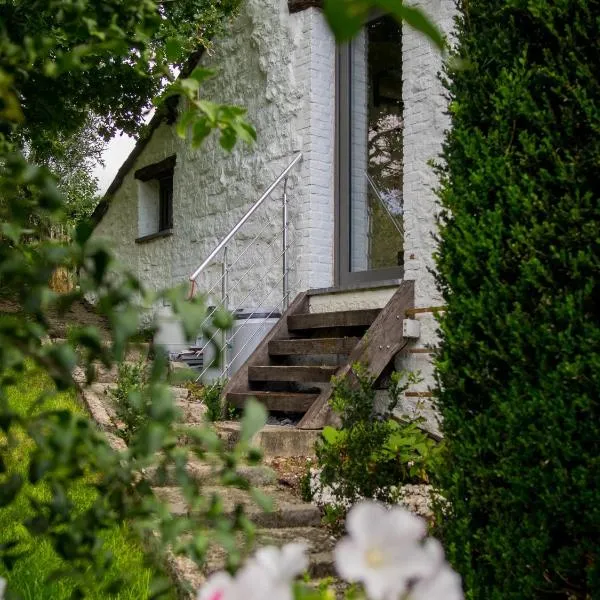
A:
[(165, 203), (344, 276), (163, 172)]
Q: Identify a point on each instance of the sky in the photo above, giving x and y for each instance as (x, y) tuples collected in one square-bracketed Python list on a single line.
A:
[(115, 153), (117, 150)]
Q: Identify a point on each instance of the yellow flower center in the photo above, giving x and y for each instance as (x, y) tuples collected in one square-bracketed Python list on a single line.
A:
[(374, 558)]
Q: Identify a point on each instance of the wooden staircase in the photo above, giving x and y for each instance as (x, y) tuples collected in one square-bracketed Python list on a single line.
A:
[(291, 369)]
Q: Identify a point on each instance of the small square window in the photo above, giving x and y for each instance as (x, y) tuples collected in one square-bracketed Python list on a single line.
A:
[(155, 199)]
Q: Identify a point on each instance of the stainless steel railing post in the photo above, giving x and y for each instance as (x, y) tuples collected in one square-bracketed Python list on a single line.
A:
[(225, 302), (284, 242)]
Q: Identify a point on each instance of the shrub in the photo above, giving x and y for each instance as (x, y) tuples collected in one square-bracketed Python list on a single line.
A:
[(210, 396), (519, 269), (371, 454), (129, 399)]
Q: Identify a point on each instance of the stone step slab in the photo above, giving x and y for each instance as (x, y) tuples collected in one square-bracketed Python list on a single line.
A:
[(189, 577), (288, 510), (207, 474), (273, 440), (100, 405)]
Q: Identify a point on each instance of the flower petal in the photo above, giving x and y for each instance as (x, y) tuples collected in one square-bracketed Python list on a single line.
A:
[(268, 558), (218, 587), (294, 560), (282, 564), (443, 585), (403, 525), (349, 560), (366, 522)]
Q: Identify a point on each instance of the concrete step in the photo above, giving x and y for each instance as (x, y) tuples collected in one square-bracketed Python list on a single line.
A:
[(320, 548), (188, 576), (291, 373), (274, 440), (287, 512), (303, 347), (207, 474), (283, 401), (345, 318)]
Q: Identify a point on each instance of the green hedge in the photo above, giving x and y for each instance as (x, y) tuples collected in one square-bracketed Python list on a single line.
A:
[(519, 268)]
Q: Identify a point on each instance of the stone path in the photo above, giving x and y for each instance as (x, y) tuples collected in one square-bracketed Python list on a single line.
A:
[(291, 519)]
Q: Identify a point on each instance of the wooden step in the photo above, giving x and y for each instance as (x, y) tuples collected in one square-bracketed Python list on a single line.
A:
[(284, 401), (291, 373), (346, 318), (296, 347)]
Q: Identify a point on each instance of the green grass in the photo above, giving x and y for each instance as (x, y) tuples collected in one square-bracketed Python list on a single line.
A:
[(29, 575)]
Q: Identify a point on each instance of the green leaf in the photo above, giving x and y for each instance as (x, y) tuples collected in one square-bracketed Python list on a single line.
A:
[(228, 139), (245, 132), (83, 231), (200, 130), (64, 355), (185, 120), (264, 501), (331, 435), (346, 17), (173, 49), (12, 231), (254, 419), (414, 17), (210, 109), (189, 87), (222, 319), (201, 74)]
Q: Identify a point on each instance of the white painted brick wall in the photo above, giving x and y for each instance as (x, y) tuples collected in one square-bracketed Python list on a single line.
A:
[(425, 122), (320, 152), (281, 68)]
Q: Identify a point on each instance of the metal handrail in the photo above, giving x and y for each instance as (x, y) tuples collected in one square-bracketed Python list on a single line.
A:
[(241, 222), (382, 202)]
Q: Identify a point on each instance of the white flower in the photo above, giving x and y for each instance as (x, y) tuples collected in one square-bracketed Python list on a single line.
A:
[(267, 575), (384, 550), (283, 564), (445, 584), (219, 586)]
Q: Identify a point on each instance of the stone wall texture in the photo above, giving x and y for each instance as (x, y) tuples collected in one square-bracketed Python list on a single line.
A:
[(425, 121), (280, 67)]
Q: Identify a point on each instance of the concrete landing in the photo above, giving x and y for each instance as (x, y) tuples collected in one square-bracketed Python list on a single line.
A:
[(274, 440)]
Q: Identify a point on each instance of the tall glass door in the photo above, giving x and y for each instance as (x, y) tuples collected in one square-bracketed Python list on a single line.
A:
[(370, 151)]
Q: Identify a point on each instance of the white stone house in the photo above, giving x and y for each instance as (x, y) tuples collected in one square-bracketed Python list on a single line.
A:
[(366, 118)]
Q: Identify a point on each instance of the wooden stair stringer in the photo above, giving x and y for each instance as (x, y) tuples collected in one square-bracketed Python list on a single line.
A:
[(239, 382), (381, 342)]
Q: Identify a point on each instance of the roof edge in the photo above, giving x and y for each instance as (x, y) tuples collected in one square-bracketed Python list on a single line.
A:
[(166, 112)]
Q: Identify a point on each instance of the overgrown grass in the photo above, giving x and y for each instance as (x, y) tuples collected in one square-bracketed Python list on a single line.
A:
[(30, 573)]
